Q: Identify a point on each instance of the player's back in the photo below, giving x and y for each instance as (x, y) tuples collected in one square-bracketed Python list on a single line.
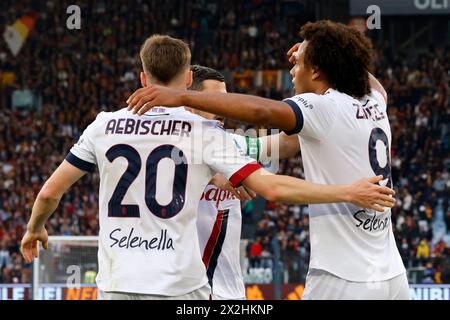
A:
[(342, 140), (153, 170)]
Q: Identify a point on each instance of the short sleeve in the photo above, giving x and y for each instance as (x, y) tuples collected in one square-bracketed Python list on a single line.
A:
[(241, 142), (315, 115), (82, 154), (222, 153), (252, 147)]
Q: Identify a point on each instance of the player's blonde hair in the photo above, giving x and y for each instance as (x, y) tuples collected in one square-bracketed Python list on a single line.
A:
[(164, 58)]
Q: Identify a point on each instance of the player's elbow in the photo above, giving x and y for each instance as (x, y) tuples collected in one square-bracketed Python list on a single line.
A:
[(272, 196), (267, 185), (47, 194)]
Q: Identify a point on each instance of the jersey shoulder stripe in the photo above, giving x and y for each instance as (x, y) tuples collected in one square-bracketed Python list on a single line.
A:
[(298, 118), (80, 163)]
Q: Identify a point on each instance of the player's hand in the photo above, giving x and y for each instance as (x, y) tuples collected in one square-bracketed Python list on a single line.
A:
[(146, 98), (223, 183), (28, 246), (365, 193), (245, 193), (291, 52)]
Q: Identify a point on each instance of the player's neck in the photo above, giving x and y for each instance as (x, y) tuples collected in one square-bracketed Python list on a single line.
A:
[(179, 85), (322, 87)]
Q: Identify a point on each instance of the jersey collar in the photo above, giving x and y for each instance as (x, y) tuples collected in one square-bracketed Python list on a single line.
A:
[(164, 110)]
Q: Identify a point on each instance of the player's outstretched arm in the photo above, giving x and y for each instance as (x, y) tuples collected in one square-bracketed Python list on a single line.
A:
[(45, 204), (363, 193), (246, 108)]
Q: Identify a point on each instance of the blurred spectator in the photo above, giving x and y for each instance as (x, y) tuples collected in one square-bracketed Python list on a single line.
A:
[(429, 274), (423, 251), (4, 255), (255, 253), (447, 220), (266, 254)]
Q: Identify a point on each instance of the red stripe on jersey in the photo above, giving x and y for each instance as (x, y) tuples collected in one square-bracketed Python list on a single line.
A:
[(209, 248), (244, 172)]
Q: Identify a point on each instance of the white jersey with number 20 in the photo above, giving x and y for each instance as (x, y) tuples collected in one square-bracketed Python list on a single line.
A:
[(153, 170)]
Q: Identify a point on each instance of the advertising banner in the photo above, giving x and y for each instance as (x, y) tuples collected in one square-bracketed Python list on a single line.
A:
[(401, 7), (292, 291)]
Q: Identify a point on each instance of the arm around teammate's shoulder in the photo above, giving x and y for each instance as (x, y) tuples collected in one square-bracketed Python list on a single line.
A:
[(363, 193), (242, 107), (246, 108)]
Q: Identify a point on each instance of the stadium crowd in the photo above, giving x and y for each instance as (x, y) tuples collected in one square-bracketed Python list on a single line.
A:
[(61, 79)]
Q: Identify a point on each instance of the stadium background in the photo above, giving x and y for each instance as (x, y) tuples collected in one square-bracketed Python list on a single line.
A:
[(61, 78)]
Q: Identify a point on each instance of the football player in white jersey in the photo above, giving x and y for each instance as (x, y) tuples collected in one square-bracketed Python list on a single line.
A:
[(153, 170), (219, 212), (339, 116)]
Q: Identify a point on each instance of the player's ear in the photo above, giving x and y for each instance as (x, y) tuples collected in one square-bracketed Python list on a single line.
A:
[(189, 79), (315, 73), (143, 79)]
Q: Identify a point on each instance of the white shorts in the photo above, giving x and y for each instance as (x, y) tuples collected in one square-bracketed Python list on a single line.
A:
[(217, 297), (322, 285), (199, 294)]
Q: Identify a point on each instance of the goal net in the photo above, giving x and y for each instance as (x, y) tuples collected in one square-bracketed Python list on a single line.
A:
[(67, 269), (70, 262)]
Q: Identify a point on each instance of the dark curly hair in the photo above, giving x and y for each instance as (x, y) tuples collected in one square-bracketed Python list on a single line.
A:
[(342, 53)]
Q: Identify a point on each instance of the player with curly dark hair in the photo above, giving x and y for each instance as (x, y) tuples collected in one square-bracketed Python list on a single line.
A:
[(338, 117), (342, 54)]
